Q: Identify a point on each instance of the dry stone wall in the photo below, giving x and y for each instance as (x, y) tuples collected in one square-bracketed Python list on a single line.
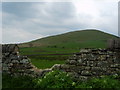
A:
[(91, 63), (15, 65), (82, 66)]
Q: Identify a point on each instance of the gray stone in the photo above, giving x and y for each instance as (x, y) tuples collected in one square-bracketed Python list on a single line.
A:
[(96, 69), (115, 66), (15, 61), (87, 68), (24, 61), (73, 62), (80, 61), (86, 73), (83, 78), (56, 67), (86, 64), (63, 66)]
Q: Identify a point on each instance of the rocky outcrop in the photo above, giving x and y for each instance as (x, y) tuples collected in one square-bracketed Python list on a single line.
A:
[(91, 63)]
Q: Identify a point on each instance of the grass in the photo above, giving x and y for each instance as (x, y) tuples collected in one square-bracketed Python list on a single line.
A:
[(74, 39), (42, 64), (66, 43), (60, 44), (40, 55), (47, 50), (46, 61)]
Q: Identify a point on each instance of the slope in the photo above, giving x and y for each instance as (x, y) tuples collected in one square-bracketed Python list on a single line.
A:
[(77, 39)]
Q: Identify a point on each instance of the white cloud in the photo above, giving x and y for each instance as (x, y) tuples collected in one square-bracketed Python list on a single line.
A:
[(45, 19), (52, 0), (0, 22), (98, 14), (0, 33), (15, 35), (86, 7), (36, 0)]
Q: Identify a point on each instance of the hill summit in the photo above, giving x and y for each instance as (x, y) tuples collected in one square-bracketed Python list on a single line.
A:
[(83, 38)]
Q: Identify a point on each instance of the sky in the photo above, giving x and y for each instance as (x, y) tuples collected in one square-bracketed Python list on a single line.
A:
[(26, 21)]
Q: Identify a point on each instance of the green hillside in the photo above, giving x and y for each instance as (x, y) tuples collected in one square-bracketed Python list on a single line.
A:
[(81, 39), (48, 51)]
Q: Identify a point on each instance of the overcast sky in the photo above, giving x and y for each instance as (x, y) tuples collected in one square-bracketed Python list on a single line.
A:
[(26, 21)]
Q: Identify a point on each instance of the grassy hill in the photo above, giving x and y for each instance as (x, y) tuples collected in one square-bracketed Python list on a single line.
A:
[(52, 50), (82, 39)]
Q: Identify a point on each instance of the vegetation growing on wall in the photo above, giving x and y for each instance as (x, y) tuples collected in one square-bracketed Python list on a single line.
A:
[(58, 79)]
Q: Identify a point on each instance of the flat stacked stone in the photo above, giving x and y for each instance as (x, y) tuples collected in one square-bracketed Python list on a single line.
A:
[(92, 63)]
